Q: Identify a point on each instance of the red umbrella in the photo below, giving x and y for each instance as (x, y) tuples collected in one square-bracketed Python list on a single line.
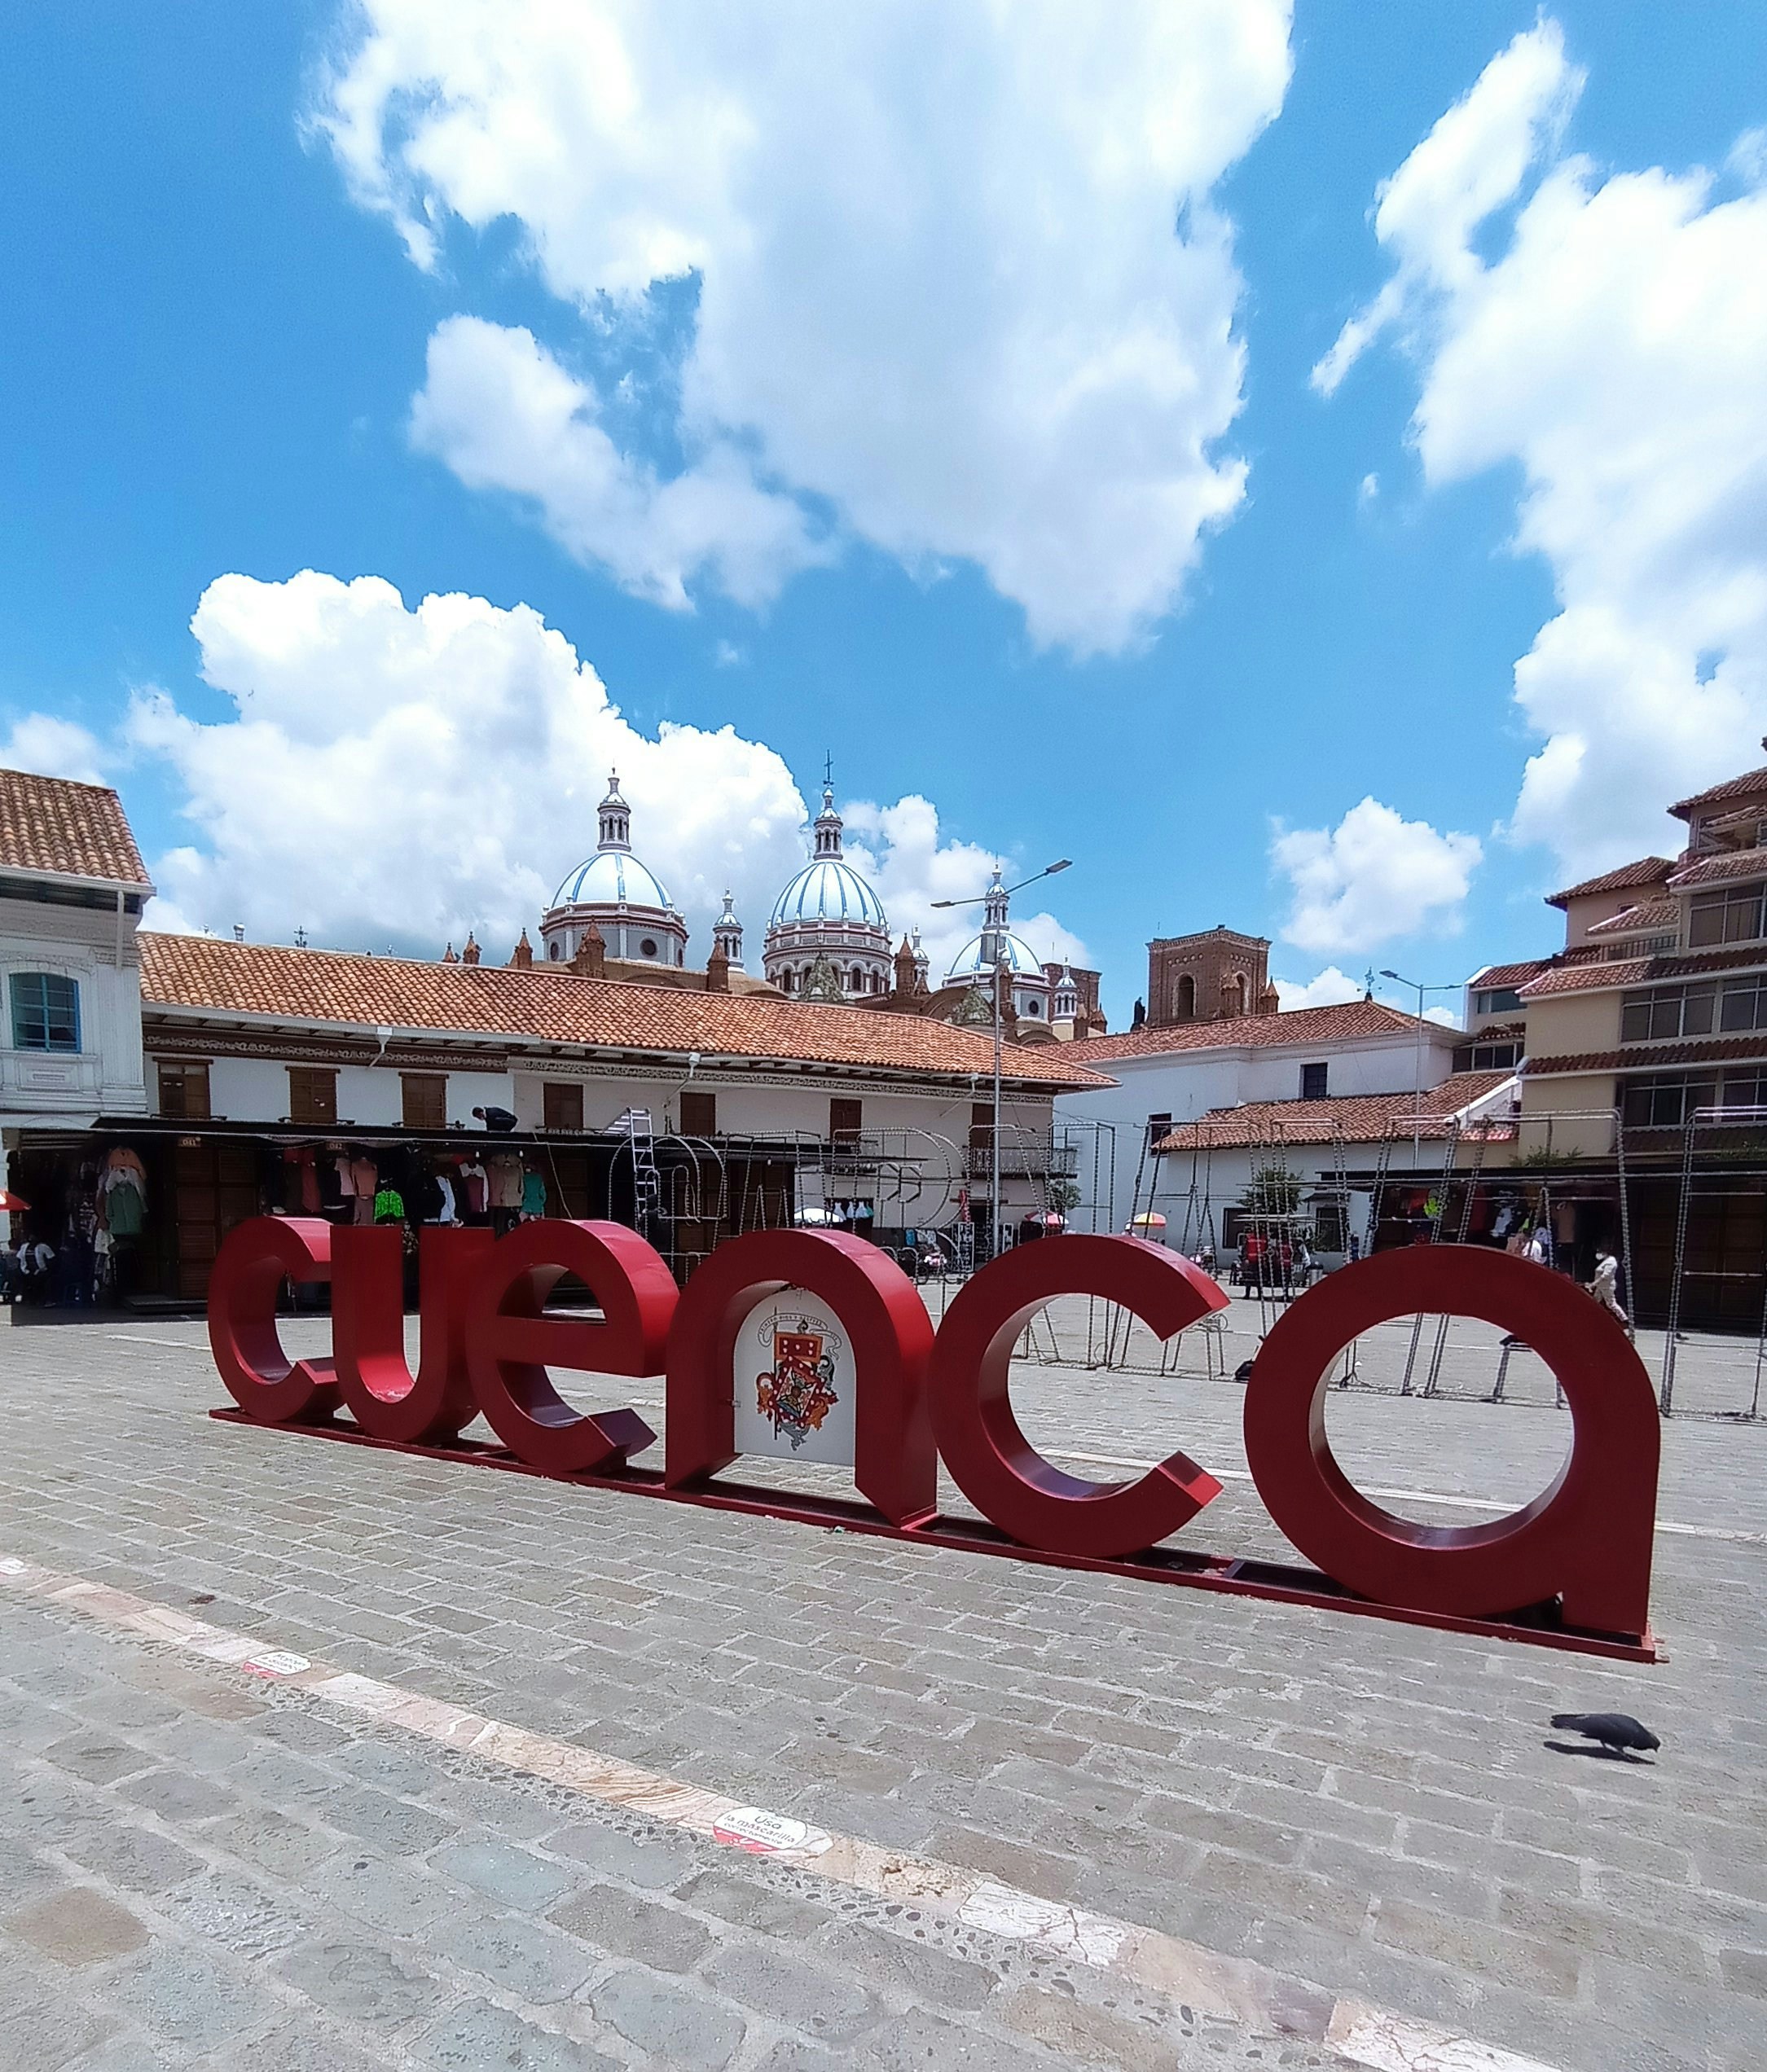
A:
[(10, 1202)]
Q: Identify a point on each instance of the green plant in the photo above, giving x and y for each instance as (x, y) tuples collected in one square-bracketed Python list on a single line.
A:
[(1272, 1191)]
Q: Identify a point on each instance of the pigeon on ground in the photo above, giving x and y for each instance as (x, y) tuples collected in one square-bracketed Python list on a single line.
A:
[(1617, 1732)]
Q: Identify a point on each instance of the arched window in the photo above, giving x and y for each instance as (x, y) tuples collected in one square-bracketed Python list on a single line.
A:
[(859, 978), (1184, 1007), (1239, 988), (46, 1012), (785, 982)]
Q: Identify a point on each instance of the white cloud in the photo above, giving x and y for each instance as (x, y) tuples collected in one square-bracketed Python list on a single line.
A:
[(1330, 988), (1614, 348), (954, 272), (1372, 879), (1471, 162), (392, 775), (899, 849), (49, 747), (503, 414)]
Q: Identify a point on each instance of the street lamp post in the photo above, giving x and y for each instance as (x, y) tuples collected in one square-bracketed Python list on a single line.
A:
[(999, 975), (1413, 985)]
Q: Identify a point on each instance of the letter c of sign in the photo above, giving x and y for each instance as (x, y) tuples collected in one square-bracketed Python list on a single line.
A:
[(1585, 1539), (510, 1340), (254, 1260), (990, 1460)]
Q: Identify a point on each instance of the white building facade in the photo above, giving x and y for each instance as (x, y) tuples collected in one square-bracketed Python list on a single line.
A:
[(72, 891), (1174, 1075)]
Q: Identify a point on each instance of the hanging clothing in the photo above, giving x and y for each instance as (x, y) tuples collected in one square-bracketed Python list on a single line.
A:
[(475, 1187), (301, 1180), (389, 1205), (126, 1206), (534, 1195), (122, 1159), (506, 1181), (448, 1213)]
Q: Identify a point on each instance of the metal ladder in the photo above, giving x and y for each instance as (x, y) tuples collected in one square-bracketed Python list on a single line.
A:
[(647, 1181)]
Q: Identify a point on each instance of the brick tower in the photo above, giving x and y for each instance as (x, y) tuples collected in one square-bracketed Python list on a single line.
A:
[(1213, 976)]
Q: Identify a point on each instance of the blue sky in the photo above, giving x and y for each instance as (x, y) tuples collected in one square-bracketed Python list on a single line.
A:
[(774, 439)]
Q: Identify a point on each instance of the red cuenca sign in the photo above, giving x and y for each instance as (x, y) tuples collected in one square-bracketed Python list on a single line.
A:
[(1572, 1567)]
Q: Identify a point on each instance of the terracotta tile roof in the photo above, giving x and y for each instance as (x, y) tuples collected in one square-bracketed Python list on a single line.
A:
[(1629, 877), (74, 831), (1589, 978), (1635, 971), (197, 973), (1351, 1019), (1496, 1032), (1357, 1118), (1711, 1050), (1652, 917), (1751, 783), (1500, 976), (1717, 870)]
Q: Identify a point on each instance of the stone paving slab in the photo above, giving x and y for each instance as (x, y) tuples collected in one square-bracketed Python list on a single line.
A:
[(1365, 1805)]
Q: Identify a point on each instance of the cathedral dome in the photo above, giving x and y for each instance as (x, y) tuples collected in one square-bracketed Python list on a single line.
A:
[(976, 959), (613, 877), (828, 890), (621, 899), (828, 927)]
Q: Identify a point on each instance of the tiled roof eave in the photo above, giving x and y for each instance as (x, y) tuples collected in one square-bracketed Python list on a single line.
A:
[(432, 1037), (550, 1012), (144, 886), (1625, 877), (1652, 1057)]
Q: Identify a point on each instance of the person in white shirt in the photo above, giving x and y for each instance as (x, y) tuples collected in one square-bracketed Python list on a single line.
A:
[(1605, 1287)]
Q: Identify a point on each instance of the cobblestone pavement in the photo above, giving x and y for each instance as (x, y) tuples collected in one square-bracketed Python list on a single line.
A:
[(196, 1868)]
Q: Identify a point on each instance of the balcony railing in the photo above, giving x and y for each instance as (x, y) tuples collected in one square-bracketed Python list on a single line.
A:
[(49, 1079)]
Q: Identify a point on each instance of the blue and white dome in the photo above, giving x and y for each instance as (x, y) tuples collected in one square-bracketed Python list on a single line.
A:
[(613, 877), (977, 958), (828, 923), (829, 890), (619, 898)]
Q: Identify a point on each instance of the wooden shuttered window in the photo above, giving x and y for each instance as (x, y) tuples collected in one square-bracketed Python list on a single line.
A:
[(313, 1095), (845, 1118), (699, 1113), (184, 1092), (424, 1100), (563, 1100)]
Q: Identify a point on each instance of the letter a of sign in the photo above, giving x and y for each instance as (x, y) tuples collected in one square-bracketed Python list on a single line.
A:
[(1586, 1539)]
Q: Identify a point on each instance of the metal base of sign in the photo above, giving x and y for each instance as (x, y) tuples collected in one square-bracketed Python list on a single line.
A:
[(1273, 1581)]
